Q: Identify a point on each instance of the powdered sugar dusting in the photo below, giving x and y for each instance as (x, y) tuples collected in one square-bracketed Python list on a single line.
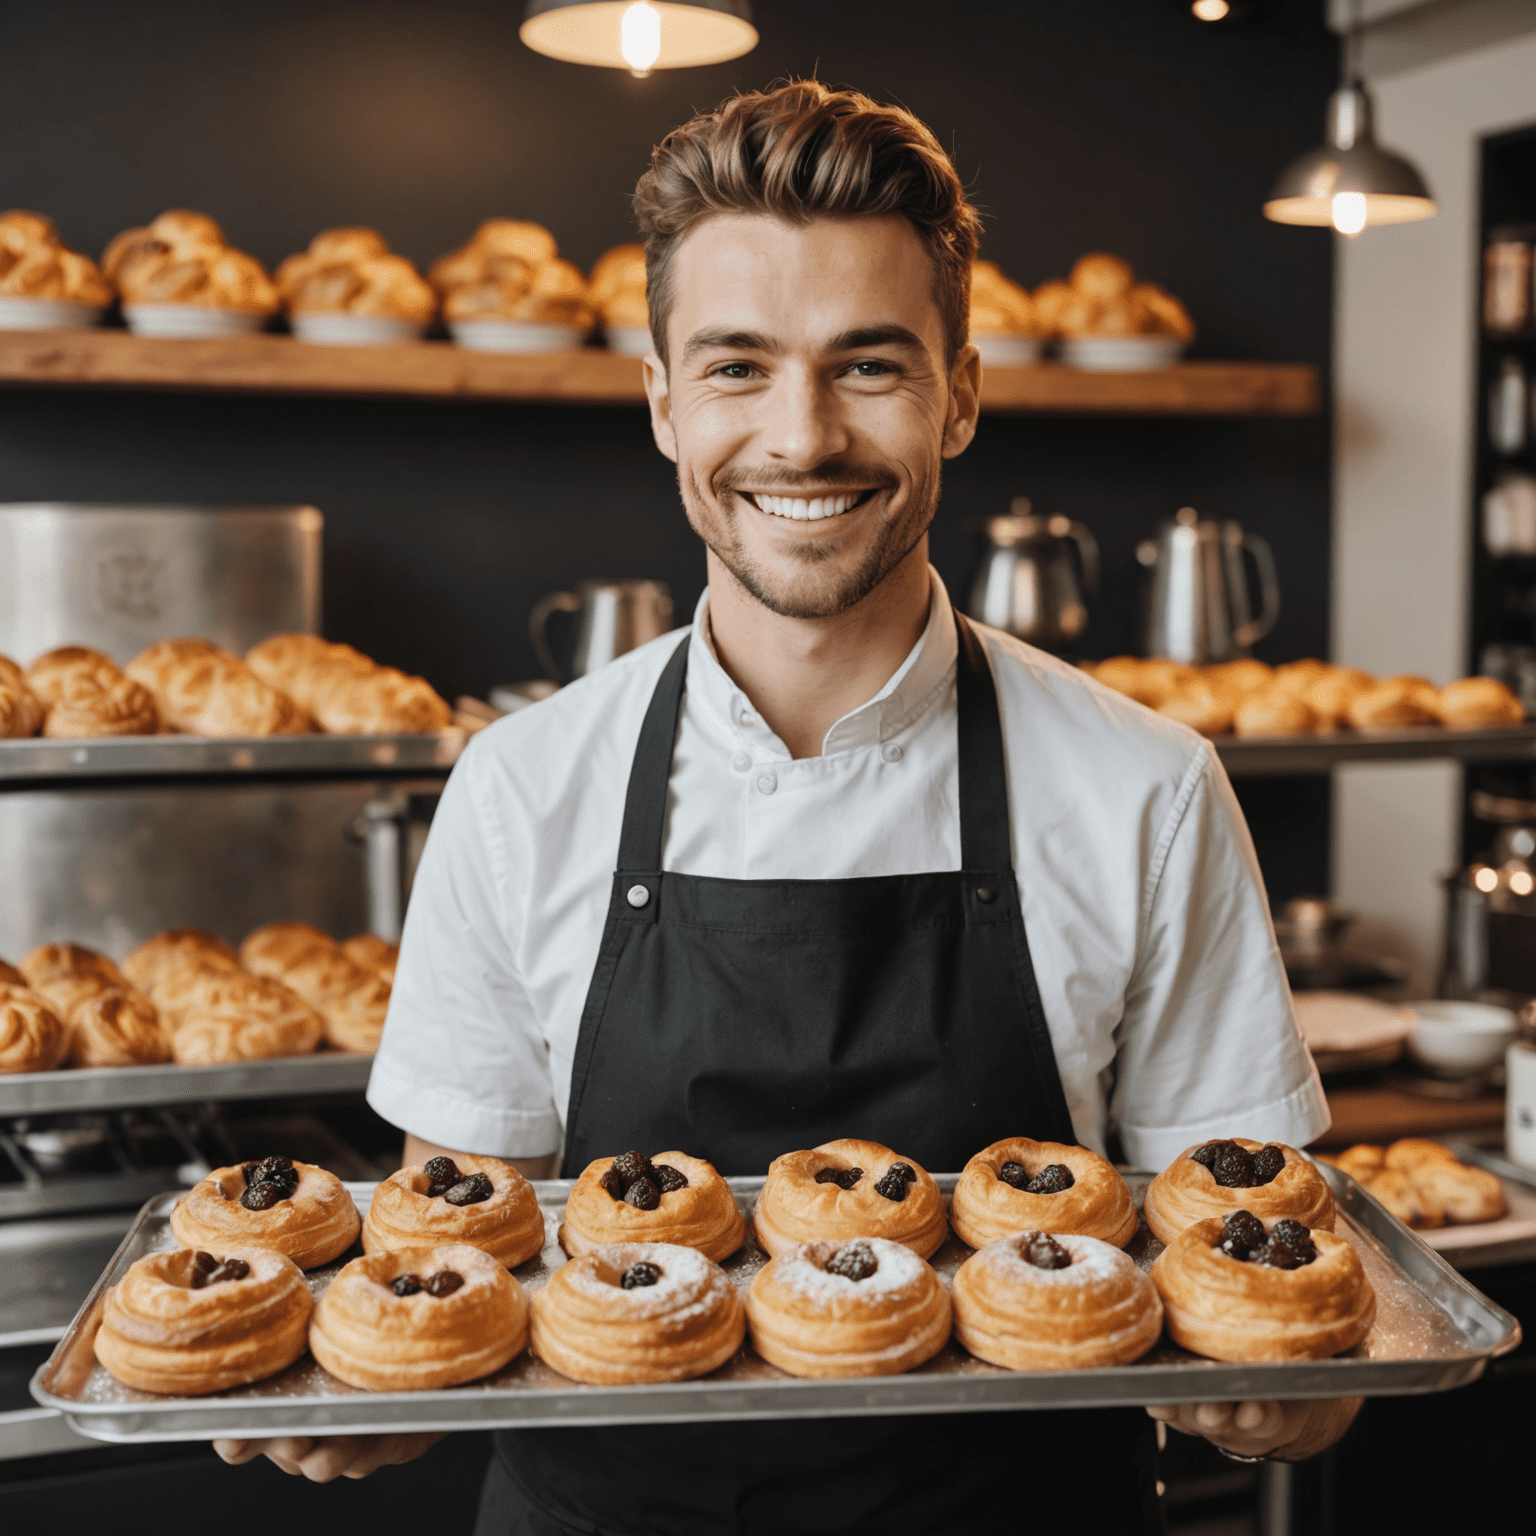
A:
[(802, 1269), (1093, 1262)]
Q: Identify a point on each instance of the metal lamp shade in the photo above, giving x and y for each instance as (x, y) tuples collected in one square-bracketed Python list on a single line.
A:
[(589, 31)]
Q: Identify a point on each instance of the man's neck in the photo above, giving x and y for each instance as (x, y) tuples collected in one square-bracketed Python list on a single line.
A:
[(804, 675)]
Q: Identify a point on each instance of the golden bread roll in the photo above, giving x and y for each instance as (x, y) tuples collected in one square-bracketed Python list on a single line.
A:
[(1329, 694), (867, 1307), (1019, 1185), (672, 1198), (346, 692), (203, 691), (271, 949), (35, 263), (298, 664), (181, 258), (482, 1201), (116, 1027), (419, 1319), (85, 694), (351, 271), (278, 1203), (1400, 1192), (58, 962), (1478, 703), (846, 1189), (1102, 276), (1464, 1194), (191, 1322), (21, 711), (352, 1001), (1158, 313), (220, 1016), (1237, 679), (372, 953), (1413, 1152), (33, 1038), (1148, 682), (69, 668), (1038, 1302), (1399, 703), (1361, 1160), (528, 242), (1273, 712), (1252, 1300), (176, 955), (509, 270), (1271, 1180), (633, 1312), (617, 287), (999, 306), (1199, 706)]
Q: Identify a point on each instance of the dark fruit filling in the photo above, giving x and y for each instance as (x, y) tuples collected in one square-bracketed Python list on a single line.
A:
[(1234, 1167), (1051, 1180), (405, 1285), (634, 1165), (1014, 1174), (639, 1275), (470, 1191), (261, 1197), (906, 1170), (1267, 1163), (444, 1283), (639, 1182), (613, 1184), (1288, 1246), (442, 1174), (892, 1186), (207, 1270), (204, 1263), (1043, 1251), (844, 1178), (669, 1178), (643, 1195), (268, 1181), (1241, 1233), (853, 1261)]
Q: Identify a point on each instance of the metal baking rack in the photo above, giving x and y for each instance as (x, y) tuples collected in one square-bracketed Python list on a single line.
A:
[(1285, 756)]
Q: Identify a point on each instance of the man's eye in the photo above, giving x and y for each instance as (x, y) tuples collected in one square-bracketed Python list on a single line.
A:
[(734, 371), (869, 368)]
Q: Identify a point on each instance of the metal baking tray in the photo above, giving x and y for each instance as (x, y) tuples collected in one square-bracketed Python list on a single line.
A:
[(1433, 1331), (1264, 756), (147, 757), (88, 1088)]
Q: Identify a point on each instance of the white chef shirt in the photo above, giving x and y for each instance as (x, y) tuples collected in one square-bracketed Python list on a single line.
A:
[(1157, 966)]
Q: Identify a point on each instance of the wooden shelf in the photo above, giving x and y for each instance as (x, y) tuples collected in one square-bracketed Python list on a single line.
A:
[(279, 365)]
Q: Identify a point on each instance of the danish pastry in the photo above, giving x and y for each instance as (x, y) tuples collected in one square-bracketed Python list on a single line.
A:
[(32, 1036), (1219, 1177), (1020, 1185), (1478, 703), (417, 1319), (83, 694), (635, 1199), (863, 1308), (1405, 1198), (846, 1189), (203, 691), (1040, 1302), (481, 1201), (109, 1023), (291, 1207), (191, 1322), (630, 1312), (1245, 1289)]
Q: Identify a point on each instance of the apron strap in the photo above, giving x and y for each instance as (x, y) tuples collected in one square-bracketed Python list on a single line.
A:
[(984, 827)]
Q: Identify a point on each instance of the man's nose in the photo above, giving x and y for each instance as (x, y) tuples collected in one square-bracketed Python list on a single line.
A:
[(803, 424)]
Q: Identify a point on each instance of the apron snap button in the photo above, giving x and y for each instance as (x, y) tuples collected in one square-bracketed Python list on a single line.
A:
[(983, 893), (767, 783), (638, 895)]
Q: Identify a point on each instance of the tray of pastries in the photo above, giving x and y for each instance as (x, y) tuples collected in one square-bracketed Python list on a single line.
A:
[(272, 1298)]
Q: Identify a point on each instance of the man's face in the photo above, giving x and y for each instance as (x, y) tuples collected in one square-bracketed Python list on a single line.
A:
[(807, 405)]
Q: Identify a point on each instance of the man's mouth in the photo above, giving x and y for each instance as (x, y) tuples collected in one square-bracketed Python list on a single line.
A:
[(807, 509)]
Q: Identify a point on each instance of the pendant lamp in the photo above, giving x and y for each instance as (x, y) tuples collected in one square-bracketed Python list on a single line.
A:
[(1351, 182), (640, 35)]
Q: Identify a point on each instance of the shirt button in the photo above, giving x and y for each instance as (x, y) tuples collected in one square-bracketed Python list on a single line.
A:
[(741, 762), (637, 896), (891, 752), (767, 783)]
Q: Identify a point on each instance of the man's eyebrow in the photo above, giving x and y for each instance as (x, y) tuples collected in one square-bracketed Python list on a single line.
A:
[(876, 336), (732, 341)]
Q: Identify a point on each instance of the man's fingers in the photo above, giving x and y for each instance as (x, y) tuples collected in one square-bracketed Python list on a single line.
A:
[(389, 1451), (1165, 1413), (1259, 1418), (331, 1456), (237, 1452), (1212, 1418)]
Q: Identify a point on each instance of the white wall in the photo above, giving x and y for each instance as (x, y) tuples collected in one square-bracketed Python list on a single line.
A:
[(1405, 349)]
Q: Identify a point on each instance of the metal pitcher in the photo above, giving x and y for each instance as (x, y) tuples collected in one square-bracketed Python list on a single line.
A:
[(1200, 610), (1028, 583), (612, 617)]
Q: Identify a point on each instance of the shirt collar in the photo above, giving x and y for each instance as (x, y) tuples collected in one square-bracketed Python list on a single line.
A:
[(913, 689)]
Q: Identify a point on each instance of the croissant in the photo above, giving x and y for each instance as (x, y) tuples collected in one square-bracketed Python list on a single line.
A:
[(530, 244), (21, 711), (204, 691), (1198, 705), (181, 258), (1273, 712), (509, 271), (998, 305), (34, 263), (33, 1038), (84, 694), (619, 270), (352, 271)]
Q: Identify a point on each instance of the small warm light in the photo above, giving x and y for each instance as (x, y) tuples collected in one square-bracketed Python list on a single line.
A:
[(1349, 212), (1522, 883), (1486, 879), (640, 38), (1210, 10)]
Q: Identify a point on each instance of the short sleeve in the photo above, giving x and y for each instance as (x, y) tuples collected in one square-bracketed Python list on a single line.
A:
[(463, 1062), (1208, 1044)]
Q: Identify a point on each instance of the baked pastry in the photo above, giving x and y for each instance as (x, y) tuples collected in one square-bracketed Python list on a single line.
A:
[(1103, 298), (1361, 1160), (1200, 706), (509, 270), (635, 1199), (83, 693), (345, 691), (1403, 1196), (50, 963), (109, 1022), (1330, 694), (21, 711), (999, 306), (1478, 703), (36, 264), (351, 1001), (191, 1322), (1413, 1153), (417, 1319), (1219, 1177), (631, 1312), (846, 1189), (617, 288), (374, 954), (1424, 1184), (1148, 682), (10, 976), (174, 956), (1018, 1185), (1273, 712), (219, 1016), (299, 664), (1237, 679), (1464, 1194), (481, 1201), (1037, 1302), (352, 271), (294, 1208), (1399, 703), (33, 1037), (203, 691), (182, 258), (1243, 1289)]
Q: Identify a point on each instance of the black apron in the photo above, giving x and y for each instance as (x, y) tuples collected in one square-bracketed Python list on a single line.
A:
[(739, 1019)]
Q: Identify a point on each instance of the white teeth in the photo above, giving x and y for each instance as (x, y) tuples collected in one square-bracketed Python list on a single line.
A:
[(803, 509)]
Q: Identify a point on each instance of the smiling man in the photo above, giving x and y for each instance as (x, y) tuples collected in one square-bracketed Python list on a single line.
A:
[(833, 862)]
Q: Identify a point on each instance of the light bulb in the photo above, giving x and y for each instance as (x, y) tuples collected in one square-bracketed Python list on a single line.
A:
[(1210, 10), (1486, 879), (1349, 212), (640, 38), (1521, 882)]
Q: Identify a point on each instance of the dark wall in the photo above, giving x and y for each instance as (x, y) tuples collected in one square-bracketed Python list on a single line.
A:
[(1096, 124)]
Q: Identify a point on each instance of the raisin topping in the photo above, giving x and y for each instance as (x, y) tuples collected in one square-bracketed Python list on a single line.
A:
[(1241, 1233), (444, 1283), (405, 1285), (1043, 1251), (261, 1197), (892, 1186), (854, 1261), (613, 1184), (1290, 1246), (207, 1270), (844, 1178), (906, 1170), (204, 1263), (669, 1178), (273, 1170), (632, 1166), (643, 1195), (442, 1174), (1267, 1163), (1292, 1232), (1278, 1255), (470, 1191), (1051, 1180), (639, 1275), (249, 1169), (1233, 1168), (1016, 1175), (1206, 1156)]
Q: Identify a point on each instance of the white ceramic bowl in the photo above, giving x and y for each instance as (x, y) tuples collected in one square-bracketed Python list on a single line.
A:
[(335, 328), (628, 340), (1459, 1039), (1120, 354), (20, 313), (1007, 351), (190, 320), (515, 336)]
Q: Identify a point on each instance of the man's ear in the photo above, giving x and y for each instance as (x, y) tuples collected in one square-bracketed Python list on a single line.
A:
[(964, 403), (660, 397)]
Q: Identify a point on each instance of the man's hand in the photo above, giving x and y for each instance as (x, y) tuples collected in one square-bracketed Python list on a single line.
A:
[(326, 1458), (1281, 1431)]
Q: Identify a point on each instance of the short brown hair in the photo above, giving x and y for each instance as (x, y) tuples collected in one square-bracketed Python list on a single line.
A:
[(799, 152)]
